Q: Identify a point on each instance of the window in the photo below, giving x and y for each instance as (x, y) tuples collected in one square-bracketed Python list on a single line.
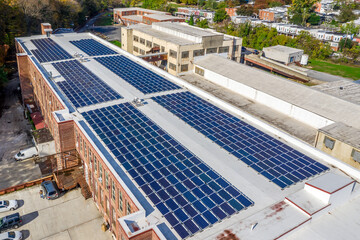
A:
[(172, 66), (199, 71), (173, 54), (85, 152), (136, 38), (355, 154), (95, 165), (329, 143), (199, 52), (211, 50), (156, 45), (100, 172), (149, 44), (136, 49), (107, 186), (128, 208), (120, 201), (114, 215), (185, 54), (184, 68), (162, 49), (223, 49), (142, 52), (113, 191), (142, 41)]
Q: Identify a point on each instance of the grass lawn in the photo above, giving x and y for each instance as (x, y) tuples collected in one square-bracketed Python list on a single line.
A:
[(336, 69), (116, 42), (105, 20)]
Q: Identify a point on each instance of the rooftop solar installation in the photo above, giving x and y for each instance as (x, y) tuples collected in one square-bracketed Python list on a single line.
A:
[(188, 193), (141, 78), (92, 47), (271, 158), (82, 87), (48, 50)]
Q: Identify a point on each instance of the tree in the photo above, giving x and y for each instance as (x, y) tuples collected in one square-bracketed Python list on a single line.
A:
[(346, 13), (3, 76), (191, 21), (303, 8), (245, 10), (220, 15), (314, 19), (350, 28), (203, 23), (345, 43)]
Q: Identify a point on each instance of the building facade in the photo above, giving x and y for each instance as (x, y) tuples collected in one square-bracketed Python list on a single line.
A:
[(130, 16), (181, 43)]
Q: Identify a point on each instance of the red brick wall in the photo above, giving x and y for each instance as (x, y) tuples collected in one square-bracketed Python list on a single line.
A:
[(265, 15)]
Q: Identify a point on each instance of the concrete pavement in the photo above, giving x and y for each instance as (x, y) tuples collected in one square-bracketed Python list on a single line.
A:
[(69, 217)]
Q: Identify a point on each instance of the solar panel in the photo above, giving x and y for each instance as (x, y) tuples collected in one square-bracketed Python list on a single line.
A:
[(271, 158), (82, 87), (92, 47), (141, 78), (48, 50), (187, 192)]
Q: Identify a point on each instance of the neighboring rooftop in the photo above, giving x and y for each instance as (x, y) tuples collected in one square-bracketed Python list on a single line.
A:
[(323, 104), (344, 89), (178, 33), (283, 49), (42, 135), (344, 133)]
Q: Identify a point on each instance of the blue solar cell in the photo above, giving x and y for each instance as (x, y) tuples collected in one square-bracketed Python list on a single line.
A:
[(141, 78), (266, 155), (92, 47), (200, 221), (82, 87), (48, 51), (181, 231), (141, 146), (219, 213)]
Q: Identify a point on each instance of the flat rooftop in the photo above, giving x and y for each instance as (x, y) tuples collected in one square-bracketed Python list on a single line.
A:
[(283, 49), (323, 104), (173, 126), (186, 29), (344, 89), (344, 133)]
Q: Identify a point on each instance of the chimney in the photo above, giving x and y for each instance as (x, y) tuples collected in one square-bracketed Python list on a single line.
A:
[(46, 29)]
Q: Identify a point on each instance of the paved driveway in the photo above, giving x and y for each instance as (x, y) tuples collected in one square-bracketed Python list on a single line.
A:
[(69, 217)]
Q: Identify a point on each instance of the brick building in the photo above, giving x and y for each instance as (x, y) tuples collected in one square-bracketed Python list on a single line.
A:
[(130, 16), (163, 158)]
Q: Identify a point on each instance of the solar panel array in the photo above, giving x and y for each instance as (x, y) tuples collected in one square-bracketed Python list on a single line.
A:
[(82, 87), (273, 159), (189, 193), (48, 50), (92, 47), (141, 78)]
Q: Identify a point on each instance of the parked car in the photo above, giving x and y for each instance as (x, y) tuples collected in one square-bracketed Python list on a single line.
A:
[(6, 205), (26, 153), (16, 235), (10, 221), (49, 190)]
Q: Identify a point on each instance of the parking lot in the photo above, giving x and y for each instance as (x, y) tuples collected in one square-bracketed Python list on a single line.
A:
[(68, 217)]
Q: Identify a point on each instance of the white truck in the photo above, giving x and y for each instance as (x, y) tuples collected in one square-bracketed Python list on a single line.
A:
[(44, 146)]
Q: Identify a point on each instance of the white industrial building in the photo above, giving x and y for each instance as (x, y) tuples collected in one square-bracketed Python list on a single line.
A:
[(283, 54)]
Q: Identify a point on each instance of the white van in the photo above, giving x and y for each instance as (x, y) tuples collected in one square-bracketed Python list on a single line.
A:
[(26, 153)]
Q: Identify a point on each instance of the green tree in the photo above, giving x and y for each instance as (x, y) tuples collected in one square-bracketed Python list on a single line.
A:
[(346, 13), (350, 28), (245, 10), (345, 44), (303, 7), (220, 15), (314, 19), (203, 23), (191, 21)]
